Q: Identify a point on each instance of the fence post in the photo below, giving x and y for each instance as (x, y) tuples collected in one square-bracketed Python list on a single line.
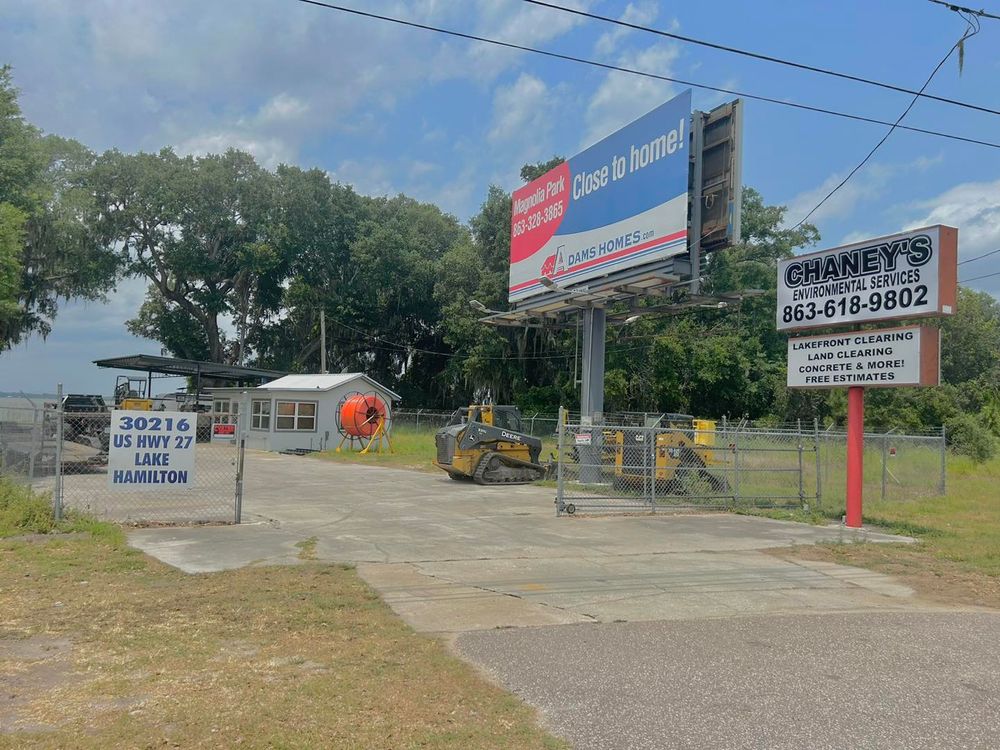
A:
[(57, 494), (654, 450), (531, 430), (559, 461), (649, 464), (37, 439), (802, 491), (885, 461), (819, 462), (239, 477), (944, 461), (736, 465)]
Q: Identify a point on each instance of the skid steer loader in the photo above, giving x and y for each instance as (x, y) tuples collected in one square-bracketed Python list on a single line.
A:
[(679, 462), (484, 443)]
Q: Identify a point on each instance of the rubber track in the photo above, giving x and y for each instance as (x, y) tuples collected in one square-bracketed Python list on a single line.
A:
[(479, 476)]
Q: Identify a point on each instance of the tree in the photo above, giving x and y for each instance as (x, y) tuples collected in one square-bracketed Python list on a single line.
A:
[(970, 339), (717, 362), (200, 229), (531, 172), (508, 364), (318, 223), (46, 252), (371, 264)]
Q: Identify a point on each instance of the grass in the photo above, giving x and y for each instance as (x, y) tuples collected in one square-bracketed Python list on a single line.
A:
[(411, 449), (103, 647), (957, 557), (25, 512)]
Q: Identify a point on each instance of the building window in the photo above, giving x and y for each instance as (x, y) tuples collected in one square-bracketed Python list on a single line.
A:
[(296, 415), (260, 415), (225, 411)]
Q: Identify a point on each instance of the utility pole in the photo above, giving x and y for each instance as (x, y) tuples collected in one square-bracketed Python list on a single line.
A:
[(322, 341)]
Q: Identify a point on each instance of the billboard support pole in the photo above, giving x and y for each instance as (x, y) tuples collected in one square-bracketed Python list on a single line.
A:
[(697, 178), (595, 326), (855, 454)]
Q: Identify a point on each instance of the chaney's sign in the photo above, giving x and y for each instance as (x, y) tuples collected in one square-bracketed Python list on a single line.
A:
[(621, 203), (888, 357), (907, 275)]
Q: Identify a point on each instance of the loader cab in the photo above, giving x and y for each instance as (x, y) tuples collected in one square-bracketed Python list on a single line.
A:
[(504, 417), (131, 394)]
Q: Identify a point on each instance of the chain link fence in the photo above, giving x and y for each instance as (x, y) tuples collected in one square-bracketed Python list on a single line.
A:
[(627, 468), (537, 424), (65, 456), (897, 467)]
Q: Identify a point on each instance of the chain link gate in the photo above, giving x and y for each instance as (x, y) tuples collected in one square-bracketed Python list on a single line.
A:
[(627, 468), (64, 455), (81, 480)]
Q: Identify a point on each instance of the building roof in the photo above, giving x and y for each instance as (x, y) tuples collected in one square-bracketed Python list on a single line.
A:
[(325, 383), (188, 367)]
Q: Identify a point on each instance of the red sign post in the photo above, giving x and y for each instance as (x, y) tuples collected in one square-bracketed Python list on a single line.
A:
[(903, 276), (855, 454)]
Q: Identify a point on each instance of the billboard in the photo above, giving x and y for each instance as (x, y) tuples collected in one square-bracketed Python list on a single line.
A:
[(885, 358), (619, 204), (912, 274), (721, 176)]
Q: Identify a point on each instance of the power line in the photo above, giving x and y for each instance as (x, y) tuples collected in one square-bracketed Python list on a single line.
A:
[(404, 348), (759, 56), (972, 30), (977, 278), (465, 357), (979, 257), (961, 9), (385, 344), (645, 74)]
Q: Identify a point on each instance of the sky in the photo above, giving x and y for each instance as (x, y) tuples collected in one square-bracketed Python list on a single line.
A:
[(390, 109)]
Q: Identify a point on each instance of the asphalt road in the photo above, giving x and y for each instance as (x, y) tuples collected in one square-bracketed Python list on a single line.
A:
[(897, 680)]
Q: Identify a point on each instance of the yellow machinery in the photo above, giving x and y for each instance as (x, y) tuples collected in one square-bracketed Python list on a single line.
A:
[(131, 394), (484, 443), (679, 462)]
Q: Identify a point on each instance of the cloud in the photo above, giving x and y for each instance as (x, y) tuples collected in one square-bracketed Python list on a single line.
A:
[(865, 188), (270, 152), (520, 23), (641, 14), (519, 110), (421, 180), (79, 317), (622, 97), (282, 108), (237, 72), (973, 207), (367, 176)]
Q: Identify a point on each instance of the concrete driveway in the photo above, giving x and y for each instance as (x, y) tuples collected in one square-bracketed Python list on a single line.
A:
[(451, 557), (631, 632)]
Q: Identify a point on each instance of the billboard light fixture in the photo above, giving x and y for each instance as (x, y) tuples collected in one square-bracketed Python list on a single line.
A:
[(477, 305)]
